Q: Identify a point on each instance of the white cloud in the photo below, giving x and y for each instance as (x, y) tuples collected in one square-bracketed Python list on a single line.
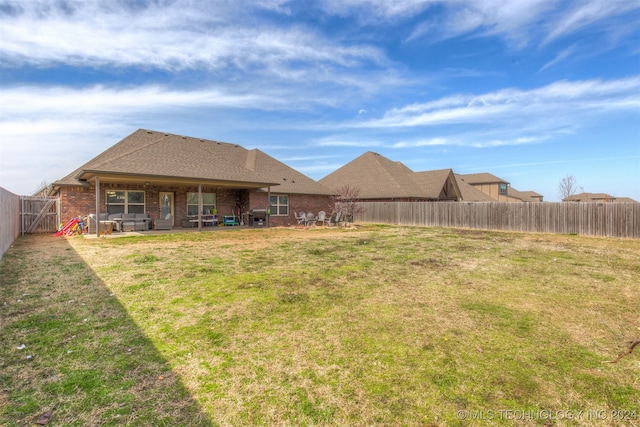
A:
[(170, 36), (553, 103), (525, 22), (586, 13), (18, 103), (431, 142), (347, 141), (376, 10), (562, 55)]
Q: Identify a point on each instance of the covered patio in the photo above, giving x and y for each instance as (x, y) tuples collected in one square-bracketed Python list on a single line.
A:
[(159, 181)]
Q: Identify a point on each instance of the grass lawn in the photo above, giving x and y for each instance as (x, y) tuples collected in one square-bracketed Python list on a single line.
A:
[(379, 325)]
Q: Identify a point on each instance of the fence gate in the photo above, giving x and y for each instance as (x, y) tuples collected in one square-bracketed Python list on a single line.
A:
[(39, 214)]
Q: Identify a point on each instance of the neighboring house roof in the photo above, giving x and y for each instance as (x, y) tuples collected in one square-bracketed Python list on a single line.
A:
[(289, 180), (588, 197), (485, 178), (597, 197), (377, 177), (533, 195), (481, 178), (163, 157), (472, 194), (434, 183), (521, 195)]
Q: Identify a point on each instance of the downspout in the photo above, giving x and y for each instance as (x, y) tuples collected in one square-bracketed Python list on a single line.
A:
[(268, 206), (199, 207), (97, 206)]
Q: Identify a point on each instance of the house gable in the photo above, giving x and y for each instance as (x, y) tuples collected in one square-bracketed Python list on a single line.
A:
[(470, 193), (379, 178), (494, 187)]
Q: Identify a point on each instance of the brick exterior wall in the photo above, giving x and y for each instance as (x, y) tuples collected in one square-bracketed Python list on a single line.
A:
[(297, 203), (78, 201)]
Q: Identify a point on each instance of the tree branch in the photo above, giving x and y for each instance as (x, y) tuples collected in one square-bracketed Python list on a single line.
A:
[(629, 350)]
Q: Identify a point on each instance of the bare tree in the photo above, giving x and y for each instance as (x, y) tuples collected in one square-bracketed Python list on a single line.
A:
[(567, 187), (346, 201), (40, 189)]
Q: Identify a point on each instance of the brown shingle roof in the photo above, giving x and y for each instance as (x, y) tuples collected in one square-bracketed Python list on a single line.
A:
[(289, 180), (470, 193), (380, 178), (161, 155), (521, 195), (434, 184), (533, 195), (597, 197), (481, 178)]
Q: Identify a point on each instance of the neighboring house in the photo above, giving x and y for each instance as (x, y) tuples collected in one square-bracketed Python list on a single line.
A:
[(524, 195), (159, 173), (597, 197), (532, 194), (497, 189), (472, 194), (380, 179)]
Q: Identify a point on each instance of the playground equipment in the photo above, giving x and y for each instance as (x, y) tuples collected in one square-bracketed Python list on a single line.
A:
[(73, 226)]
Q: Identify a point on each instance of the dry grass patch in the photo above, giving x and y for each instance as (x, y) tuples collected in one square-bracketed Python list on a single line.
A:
[(372, 326)]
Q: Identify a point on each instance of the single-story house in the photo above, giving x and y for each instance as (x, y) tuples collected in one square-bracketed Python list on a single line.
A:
[(181, 179), (380, 179), (597, 198)]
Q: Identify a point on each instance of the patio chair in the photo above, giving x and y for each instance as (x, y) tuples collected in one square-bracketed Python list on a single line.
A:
[(302, 219), (163, 223), (337, 219), (322, 215), (331, 220)]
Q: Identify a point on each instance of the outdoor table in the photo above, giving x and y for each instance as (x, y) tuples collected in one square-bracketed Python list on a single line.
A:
[(118, 223)]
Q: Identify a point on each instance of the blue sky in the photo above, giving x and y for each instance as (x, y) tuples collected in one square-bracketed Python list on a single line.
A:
[(528, 90)]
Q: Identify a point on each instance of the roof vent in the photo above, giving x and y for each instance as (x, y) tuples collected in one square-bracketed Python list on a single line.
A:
[(184, 137), (149, 131), (284, 179), (202, 140), (219, 143), (166, 134)]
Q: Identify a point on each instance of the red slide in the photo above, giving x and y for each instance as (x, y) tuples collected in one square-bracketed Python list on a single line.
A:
[(68, 227)]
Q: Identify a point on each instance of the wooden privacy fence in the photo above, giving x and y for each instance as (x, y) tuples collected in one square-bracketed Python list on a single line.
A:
[(592, 219), (39, 214)]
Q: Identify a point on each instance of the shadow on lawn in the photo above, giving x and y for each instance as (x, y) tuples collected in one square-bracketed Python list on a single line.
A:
[(70, 352)]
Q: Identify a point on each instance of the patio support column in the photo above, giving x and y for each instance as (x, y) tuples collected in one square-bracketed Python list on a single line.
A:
[(97, 206), (268, 206), (199, 207)]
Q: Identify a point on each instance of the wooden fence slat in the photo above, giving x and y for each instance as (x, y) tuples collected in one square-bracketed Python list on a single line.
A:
[(593, 219)]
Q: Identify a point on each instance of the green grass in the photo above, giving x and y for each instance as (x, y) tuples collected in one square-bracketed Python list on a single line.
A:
[(372, 326)]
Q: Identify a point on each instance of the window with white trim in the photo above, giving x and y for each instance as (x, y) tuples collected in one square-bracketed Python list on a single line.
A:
[(279, 204), (503, 188), (125, 201), (208, 204)]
